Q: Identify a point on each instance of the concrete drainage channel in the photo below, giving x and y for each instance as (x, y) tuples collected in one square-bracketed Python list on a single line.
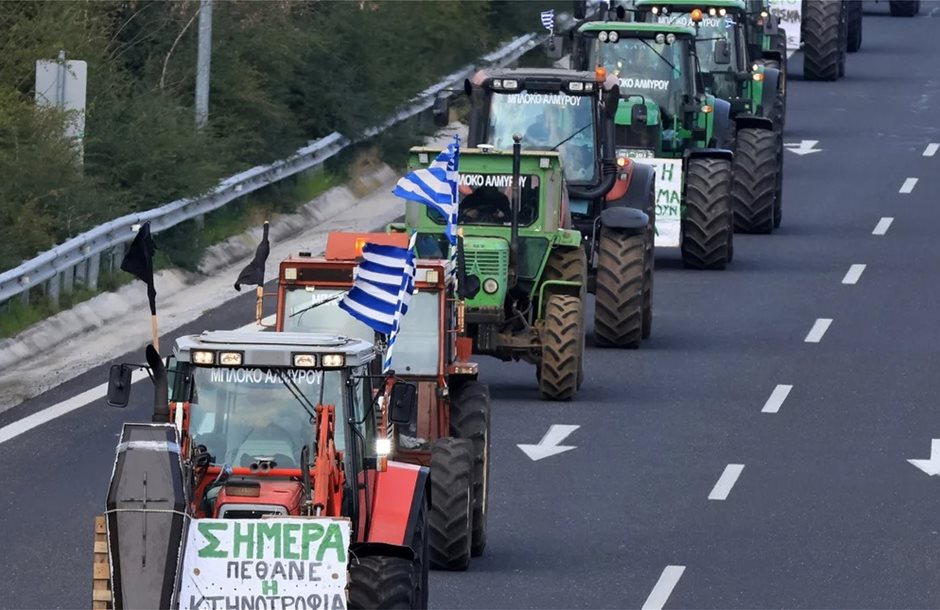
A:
[(71, 342)]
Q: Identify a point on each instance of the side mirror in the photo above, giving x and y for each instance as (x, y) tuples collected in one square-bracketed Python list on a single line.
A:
[(771, 24), (402, 403), (555, 47), (119, 386), (722, 52), (612, 102), (441, 109)]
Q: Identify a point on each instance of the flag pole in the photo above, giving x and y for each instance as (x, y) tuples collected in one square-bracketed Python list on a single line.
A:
[(156, 332), (259, 303)]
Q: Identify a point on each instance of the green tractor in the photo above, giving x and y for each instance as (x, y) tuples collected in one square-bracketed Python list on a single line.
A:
[(755, 93), (766, 40), (523, 266), (666, 119), (611, 206), (821, 30)]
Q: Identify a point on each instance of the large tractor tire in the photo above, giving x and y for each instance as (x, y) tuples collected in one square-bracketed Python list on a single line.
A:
[(904, 8), (569, 265), (470, 419), (707, 228), (855, 26), (780, 45), (451, 519), (562, 347), (618, 307), (822, 40), (755, 180), (778, 112), (382, 582), (778, 192), (648, 266)]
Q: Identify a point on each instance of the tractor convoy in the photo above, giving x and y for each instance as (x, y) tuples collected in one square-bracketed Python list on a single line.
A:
[(331, 460)]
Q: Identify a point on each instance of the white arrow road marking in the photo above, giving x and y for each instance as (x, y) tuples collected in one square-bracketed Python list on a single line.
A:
[(80, 400), (549, 446), (663, 589), (819, 329), (726, 481), (882, 227), (853, 274), (803, 147), (776, 399), (930, 466), (908, 186), (931, 149)]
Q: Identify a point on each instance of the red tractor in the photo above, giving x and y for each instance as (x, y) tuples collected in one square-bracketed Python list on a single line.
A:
[(450, 428), (258, 432)]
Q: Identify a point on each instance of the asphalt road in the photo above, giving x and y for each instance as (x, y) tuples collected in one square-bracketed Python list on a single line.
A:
[(826, 512)]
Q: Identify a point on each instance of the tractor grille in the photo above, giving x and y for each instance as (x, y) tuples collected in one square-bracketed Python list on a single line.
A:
[(487, 263)]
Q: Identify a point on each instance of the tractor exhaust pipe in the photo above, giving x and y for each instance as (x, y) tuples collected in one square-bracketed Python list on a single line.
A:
[(161, 394), (516, 204)]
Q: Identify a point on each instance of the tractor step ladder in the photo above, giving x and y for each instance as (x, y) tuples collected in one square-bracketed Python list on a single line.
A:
[(101, 585)]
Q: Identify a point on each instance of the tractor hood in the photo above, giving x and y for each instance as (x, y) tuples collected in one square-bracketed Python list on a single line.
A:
[(252, 498)]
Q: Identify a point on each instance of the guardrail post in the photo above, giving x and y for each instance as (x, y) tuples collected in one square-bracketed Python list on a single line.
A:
[(24, 296), (68, 280), (91, 271), (117, 254), (53, 289)]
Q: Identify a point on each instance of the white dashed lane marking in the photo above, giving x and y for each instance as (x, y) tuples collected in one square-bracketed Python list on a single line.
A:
[(664, 586), (853, 274), (882, 227), (908, 186), (819, 329), (776, 399)]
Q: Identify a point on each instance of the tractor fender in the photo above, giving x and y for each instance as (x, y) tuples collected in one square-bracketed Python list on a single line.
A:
[(399, 492), (623, 218), (642, 182), (381, 549), (772, 55), (714, 153), (750, 121), (771, 90)]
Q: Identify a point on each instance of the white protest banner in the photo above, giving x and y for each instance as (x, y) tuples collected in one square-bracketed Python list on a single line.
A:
[(789, 14), (287, 563), (668, 199)]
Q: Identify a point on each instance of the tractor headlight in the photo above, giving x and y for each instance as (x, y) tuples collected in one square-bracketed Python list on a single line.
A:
[(333, 360), (576, 86), (490, 286), (758, 76), (722, 12), (510, 84), (305, 360), (203, 357), (383, 446), (712, 11), (655, 10), (614, 36), (602, 36), (670, 38), (660, 38), (230, 358)]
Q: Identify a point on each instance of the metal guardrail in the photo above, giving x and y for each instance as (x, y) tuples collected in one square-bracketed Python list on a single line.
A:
[(79, 257)]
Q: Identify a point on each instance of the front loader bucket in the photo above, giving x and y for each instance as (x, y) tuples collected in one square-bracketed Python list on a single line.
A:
[(145, 520)]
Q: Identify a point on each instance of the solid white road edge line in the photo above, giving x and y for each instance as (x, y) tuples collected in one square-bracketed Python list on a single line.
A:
[(776, 399), (725, 482), (48, 414), (931, 149), (853, 274), (818, 330), (882, 227), (908, 186), (663, 589)]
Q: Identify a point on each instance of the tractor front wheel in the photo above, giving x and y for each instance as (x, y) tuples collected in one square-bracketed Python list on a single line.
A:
[(618, 307), (451, 519), (648, 266), (470, 419), (855, 27), (382, 582), (755, 180), (707, 230), (822, 40), (562, 347), (569, 265)]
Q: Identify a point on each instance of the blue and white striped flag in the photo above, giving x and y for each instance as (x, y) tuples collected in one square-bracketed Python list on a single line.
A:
[(436, 186), (382, 287), (729, 23), (548, 20)]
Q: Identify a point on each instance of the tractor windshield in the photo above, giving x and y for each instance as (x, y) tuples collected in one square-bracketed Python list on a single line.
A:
[(719, 77), (547, 120), (658, 71), (313, 309), (242, 414)]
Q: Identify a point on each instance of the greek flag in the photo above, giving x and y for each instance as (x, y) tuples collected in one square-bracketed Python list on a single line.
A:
[(382, 287), (436, 186), (548, 20), (729, 23)]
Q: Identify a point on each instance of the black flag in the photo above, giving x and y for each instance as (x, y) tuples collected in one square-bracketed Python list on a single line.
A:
[(254, 272), (139, 262)]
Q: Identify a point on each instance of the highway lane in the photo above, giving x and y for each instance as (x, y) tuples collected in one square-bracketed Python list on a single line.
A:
[(826, 512)]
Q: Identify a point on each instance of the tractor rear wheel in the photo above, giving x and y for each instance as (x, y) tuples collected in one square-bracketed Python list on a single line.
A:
[(778, 192), (451, 519), (855, 27), (904, 8), (569, 265), (470, 419), (648, 266), (707, 228), (618, 306), (822, 35), (755, 180), (562, 347), (382, 582)]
